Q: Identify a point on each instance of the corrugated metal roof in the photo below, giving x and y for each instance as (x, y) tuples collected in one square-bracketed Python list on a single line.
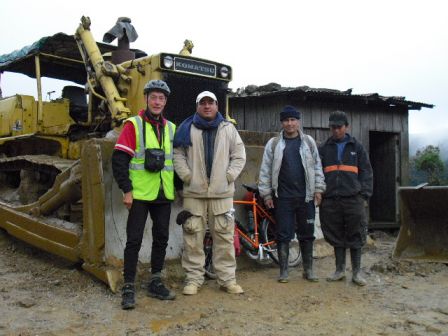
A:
[(273, 89)]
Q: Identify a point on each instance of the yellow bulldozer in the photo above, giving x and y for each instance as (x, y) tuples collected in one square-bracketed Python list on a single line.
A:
[(56, 187)]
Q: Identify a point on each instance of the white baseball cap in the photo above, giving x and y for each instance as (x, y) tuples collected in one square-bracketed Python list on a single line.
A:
[(206, 94)]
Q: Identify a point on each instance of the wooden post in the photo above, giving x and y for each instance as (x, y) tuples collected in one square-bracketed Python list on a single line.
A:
[(39, 90)]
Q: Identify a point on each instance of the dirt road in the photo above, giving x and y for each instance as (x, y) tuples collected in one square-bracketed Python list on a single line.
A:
[(43, 295)]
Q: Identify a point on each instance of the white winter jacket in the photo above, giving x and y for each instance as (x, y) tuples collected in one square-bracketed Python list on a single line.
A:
[(272, 161)]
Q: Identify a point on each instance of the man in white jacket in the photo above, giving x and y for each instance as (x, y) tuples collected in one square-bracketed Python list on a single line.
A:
[(292, 182), (208, 157)]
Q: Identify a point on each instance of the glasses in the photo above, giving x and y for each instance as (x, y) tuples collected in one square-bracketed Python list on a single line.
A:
[(154, 97), (206, 102)]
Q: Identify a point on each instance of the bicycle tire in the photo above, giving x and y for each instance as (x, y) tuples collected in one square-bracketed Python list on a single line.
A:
[(208, 251), (249, 251), (268, 232)]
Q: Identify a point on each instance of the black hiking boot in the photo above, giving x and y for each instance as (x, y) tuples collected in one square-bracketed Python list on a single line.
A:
[(128, 296), (355, 255), (306, 247), (339, 274), (156, 289), (283, 256)]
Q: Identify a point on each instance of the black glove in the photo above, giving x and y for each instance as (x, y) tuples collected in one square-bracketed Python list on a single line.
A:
[(183, 216)]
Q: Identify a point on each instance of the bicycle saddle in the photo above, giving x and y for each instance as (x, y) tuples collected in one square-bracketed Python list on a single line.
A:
[(251, 187)]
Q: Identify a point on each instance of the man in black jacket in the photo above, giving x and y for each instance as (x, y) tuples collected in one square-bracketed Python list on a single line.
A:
[(349, 179)]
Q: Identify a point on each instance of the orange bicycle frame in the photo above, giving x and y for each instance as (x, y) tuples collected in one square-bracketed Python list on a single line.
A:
[(259, 214)]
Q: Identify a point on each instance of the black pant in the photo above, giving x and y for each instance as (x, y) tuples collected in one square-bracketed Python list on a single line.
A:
[(160, 216), (294, 215), (344, 221)]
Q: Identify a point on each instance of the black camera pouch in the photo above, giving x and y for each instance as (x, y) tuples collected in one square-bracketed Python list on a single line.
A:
[(154, 159)]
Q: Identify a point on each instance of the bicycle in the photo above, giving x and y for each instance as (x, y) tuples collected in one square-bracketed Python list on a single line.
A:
[(257, 237)]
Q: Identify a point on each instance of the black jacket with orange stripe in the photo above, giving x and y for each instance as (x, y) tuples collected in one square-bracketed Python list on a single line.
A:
[(352, 176)]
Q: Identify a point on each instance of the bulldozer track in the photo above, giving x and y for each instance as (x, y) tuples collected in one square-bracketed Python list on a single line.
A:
[(55, 161), (42, 163)]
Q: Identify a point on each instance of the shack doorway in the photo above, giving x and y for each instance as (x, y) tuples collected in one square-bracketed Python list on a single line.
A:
[(385, 159)]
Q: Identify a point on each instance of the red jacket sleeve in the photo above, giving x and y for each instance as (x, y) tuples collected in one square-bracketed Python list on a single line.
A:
[(126, 141)]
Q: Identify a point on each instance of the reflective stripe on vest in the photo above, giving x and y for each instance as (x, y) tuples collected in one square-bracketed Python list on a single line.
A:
[(141, 147), (351, 169), (141, 166), (145, 184)]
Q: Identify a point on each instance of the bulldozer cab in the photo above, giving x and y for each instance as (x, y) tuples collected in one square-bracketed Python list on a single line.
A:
[(61, 120)]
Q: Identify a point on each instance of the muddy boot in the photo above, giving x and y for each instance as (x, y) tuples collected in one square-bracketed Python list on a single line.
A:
[(128, 296), (283, 256), (339, 274), (156, 289), (306, 247), (355, 255)]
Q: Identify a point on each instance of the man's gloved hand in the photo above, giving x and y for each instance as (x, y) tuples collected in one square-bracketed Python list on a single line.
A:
[(183, 216)]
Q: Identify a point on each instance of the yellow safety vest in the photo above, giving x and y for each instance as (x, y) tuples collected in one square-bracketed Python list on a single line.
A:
[(146, 184)]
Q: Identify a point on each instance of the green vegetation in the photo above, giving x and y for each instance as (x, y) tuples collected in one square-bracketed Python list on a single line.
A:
[(427, 166)]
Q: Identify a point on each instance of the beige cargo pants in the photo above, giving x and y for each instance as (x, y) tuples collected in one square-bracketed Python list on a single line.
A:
[(211, 212)]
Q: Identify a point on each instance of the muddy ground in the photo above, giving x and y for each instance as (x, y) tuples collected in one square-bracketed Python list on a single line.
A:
[(44, 295)]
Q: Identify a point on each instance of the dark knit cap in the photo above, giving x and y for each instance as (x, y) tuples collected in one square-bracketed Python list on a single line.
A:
[(338, 118), (289, 112)]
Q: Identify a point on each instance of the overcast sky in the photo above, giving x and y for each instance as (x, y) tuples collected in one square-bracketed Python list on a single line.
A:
[(394, 48)]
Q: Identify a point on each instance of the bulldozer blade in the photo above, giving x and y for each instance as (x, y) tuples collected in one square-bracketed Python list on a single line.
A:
[(109, 275), (424, 224)]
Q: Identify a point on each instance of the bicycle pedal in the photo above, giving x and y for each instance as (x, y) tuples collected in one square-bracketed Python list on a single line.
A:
[(263, 257), (261, 254)]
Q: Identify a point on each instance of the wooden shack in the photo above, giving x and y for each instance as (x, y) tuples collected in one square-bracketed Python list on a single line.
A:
[(379, 123)]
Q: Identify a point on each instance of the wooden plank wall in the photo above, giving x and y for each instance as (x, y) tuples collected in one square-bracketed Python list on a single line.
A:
[(261, 114)]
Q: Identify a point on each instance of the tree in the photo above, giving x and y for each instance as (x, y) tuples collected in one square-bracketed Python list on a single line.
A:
[(429, 162)]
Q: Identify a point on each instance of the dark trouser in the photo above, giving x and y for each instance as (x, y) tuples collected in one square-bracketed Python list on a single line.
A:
[(160, 216), (344, 221), (293, 215)]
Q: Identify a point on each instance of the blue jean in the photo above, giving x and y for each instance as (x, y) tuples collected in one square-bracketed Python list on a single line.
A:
[(294, 216)]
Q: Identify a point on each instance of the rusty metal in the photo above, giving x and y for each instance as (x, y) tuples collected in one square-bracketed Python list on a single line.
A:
[(424, 224)]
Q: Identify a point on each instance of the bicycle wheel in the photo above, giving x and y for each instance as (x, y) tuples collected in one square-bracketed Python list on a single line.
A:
[(268, 232), (251, 253), (248, 249), (208, 251)]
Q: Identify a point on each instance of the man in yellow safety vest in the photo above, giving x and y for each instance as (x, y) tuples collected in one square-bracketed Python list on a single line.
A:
[(142, 165)]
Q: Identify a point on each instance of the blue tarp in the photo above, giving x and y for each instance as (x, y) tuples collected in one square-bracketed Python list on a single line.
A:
[(61, 45)]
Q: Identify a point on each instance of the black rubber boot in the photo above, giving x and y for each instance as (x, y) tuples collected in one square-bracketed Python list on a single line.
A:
[(306, 247), (128, 296), (157, 290), (339, 274), (283, 256), (355, 255)]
